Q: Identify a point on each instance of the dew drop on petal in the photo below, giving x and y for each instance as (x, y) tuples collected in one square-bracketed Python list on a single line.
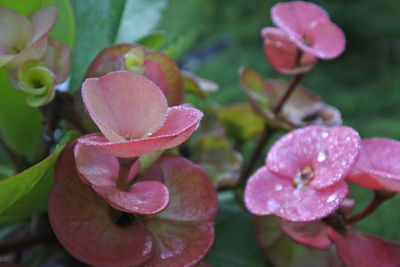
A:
[(324, 134), (331, 198), (278, 187), (272, 205), (322, 155)]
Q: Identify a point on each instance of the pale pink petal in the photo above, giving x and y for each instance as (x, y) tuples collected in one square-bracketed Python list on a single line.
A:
[(267, 193), (327, 40), (192, 194), (378, 166), (58, 59), (283, 54), (43, 20), (82, 222), (330, 152), (312, 234), (124, 105), (179, 126), (102, 172), (33, 51), (15, 30), (357, 249), (295, 17)]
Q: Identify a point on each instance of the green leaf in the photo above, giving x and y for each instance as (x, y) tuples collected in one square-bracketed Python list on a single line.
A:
[(241, 122), (21, 126), (235, 244), (197, 85), (26, 193), (98, 25), (64, 29), (139, 18), (153, 40)]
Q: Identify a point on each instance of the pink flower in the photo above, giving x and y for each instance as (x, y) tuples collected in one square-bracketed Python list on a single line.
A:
[(100, 235), (310, 28), (378, 166), (283, 55), (22, 40), (304, 172), (133, 115)]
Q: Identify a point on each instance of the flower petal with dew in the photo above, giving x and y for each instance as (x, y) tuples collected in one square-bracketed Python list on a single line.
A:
[(283, 55), (132, 113), (99, 235), (115, 182), (310, 28), (22, 40), (358, 249), (303, 177), (378, 166)]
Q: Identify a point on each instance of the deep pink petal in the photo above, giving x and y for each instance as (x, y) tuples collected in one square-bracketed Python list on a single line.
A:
[(153, 72), (378, 166), (192, 194), (179, 244), (124, 105), (102, 172), (358, 249), (312, 234), (330, 152), (327, 40), (43, 20), (267, 193), (295, 17), (283, 54), (82, 223), (178, 127)]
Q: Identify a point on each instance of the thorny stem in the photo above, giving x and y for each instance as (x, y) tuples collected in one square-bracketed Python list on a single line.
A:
[(380, 196), (289, 90), (20, 244)]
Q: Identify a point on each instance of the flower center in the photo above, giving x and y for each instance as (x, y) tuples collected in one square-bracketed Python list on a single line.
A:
[(15, 50), (302, 177), (307, 41)]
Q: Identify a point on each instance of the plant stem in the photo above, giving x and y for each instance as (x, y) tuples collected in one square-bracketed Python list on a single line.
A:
[(289, 90), (262, 141), (380, 196)]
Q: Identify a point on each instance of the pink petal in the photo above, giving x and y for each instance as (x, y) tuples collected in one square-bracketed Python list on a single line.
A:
[(124, 105), (330, 152), (267, 193), (179, 126), (58, 59), (357, 249), (153, 72), (43, 20), (327, 40), (312, 234), (179, 244), (283, 54), (102, 172), (295, 17), (192, 194), (82, 223), (378, 166), (15, 30)]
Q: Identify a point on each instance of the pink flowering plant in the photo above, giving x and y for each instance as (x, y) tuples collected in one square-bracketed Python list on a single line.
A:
[(113, 153)]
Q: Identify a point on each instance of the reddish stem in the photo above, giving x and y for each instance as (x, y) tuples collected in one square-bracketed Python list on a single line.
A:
[(379, 197), (289, 90)]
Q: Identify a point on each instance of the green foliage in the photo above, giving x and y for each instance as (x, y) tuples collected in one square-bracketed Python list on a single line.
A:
[(26, 193), (234, 245), (64, 29), (21, 126)]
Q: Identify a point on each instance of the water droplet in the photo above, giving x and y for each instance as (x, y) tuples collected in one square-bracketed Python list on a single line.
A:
[(278, 187), (322, 155), (324, 134), (331, 198), (273, 205)]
